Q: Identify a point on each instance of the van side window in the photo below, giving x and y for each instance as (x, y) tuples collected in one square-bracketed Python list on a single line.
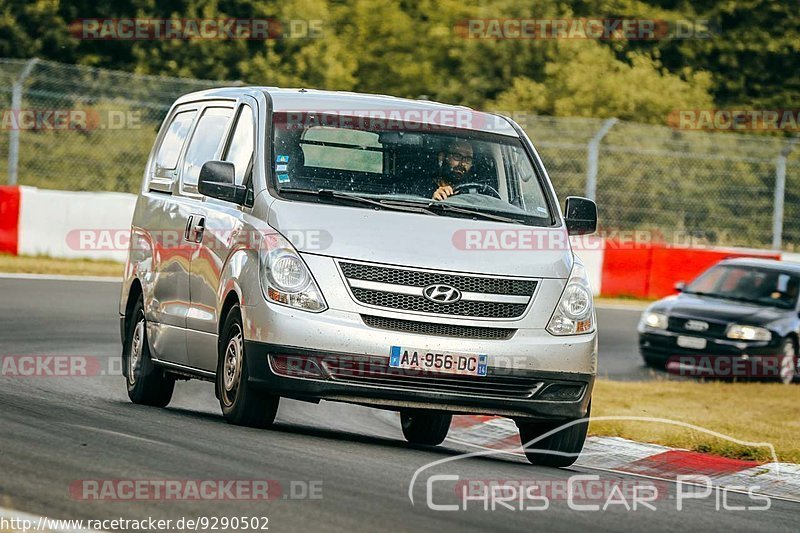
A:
[(240, 151), (171, 146), (205, 141)]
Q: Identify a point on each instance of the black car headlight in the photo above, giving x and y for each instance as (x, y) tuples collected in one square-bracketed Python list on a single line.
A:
[(653, 320), (744, 332)]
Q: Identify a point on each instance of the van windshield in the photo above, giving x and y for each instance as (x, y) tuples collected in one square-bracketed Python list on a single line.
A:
[(407, 163)]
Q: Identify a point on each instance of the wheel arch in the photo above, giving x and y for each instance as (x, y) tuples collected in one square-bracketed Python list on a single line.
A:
[(231, 299), (134, 293)]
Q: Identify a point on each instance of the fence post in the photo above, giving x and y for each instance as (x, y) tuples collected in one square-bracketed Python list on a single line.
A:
[(16, 107), (593, 150), (780, 191)]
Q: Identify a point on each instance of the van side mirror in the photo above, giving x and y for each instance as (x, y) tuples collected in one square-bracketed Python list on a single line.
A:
[(580, 215), (680, 286), (217, 180)]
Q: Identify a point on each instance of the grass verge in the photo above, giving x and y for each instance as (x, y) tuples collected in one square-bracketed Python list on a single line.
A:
[(68, 267), (753, 412)]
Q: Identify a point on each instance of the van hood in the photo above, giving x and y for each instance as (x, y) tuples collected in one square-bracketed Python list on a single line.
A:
[(425, 241)]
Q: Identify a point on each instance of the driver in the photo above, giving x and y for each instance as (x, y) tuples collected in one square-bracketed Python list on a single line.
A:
[(455, 166)]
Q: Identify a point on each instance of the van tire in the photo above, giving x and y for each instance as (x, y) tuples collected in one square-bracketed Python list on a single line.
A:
[(242, 404), (568, 441), (147, 384), (425, 427)]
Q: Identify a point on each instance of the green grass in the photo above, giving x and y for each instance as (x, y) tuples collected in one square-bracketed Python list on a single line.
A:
[(48, 265), (753, 412)]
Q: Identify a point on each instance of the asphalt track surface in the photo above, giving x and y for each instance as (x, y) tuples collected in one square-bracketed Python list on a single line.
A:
[(56, 431)]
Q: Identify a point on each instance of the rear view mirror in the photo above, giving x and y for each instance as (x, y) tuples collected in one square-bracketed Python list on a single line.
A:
[(217, 180), (580, 215), (400, 138)]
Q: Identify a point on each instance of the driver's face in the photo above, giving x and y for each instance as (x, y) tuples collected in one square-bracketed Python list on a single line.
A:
[(459, 159)]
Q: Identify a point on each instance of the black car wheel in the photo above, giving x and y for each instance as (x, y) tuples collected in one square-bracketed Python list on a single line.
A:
[(147, 383), (657, 363)]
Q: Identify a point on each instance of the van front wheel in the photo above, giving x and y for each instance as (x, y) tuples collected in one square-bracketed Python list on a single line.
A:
[(241, 403), (147, 384), (425, 427), (559, 449)]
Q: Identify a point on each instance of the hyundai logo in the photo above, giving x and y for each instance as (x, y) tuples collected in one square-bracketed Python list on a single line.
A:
[(442, 294)]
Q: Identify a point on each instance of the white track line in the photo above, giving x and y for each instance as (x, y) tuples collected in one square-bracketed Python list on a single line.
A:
[(57, 277)]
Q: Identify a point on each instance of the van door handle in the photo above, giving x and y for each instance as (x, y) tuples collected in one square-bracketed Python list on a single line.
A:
[(199, 228), (188, 229)]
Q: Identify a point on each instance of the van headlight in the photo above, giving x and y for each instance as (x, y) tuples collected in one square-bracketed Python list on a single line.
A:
[(574, 313), (285, 278), (748, 333)]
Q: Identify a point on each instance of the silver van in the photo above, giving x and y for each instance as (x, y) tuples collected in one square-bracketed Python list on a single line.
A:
[(401, 254)]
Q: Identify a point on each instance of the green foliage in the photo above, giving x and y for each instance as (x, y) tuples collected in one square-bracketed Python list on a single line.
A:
[(585, 79), (415, 48)]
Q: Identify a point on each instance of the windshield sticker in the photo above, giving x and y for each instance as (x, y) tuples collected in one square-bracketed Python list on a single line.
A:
[(281, 168), (283, 178), (282, 159)]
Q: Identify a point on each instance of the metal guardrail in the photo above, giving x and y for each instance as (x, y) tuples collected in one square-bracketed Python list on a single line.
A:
[(707, 188)]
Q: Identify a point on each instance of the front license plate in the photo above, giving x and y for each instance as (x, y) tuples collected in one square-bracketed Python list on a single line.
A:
[(446, 362), (695, 343)]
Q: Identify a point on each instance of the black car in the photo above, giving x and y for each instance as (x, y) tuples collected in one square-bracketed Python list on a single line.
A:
[(739, 319)]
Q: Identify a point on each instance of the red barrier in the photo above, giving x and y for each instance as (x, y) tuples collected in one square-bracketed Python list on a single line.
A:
[(626, 270), (9, 219), (671, 265), (652, 270)]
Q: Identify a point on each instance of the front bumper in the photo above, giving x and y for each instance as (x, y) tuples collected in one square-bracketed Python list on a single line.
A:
[(726, 358), (367, 380), (530, 358), (339, 331)]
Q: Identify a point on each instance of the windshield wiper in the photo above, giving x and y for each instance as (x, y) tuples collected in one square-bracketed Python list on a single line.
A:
[(338, 195), (439, 207)]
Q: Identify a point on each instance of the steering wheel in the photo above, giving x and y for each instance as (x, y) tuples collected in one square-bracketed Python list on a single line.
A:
[(476, 188)]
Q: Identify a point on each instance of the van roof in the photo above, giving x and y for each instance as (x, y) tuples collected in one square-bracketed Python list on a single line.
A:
[(368, 105)]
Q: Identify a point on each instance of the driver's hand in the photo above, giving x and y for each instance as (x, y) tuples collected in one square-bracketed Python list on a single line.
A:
[(443, 192)]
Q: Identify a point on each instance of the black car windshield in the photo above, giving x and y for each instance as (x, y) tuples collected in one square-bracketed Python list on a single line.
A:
[(761, 286), (400, 162)]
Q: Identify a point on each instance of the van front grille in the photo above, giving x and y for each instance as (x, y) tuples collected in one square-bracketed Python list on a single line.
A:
[(418, 278), (403, 289)]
